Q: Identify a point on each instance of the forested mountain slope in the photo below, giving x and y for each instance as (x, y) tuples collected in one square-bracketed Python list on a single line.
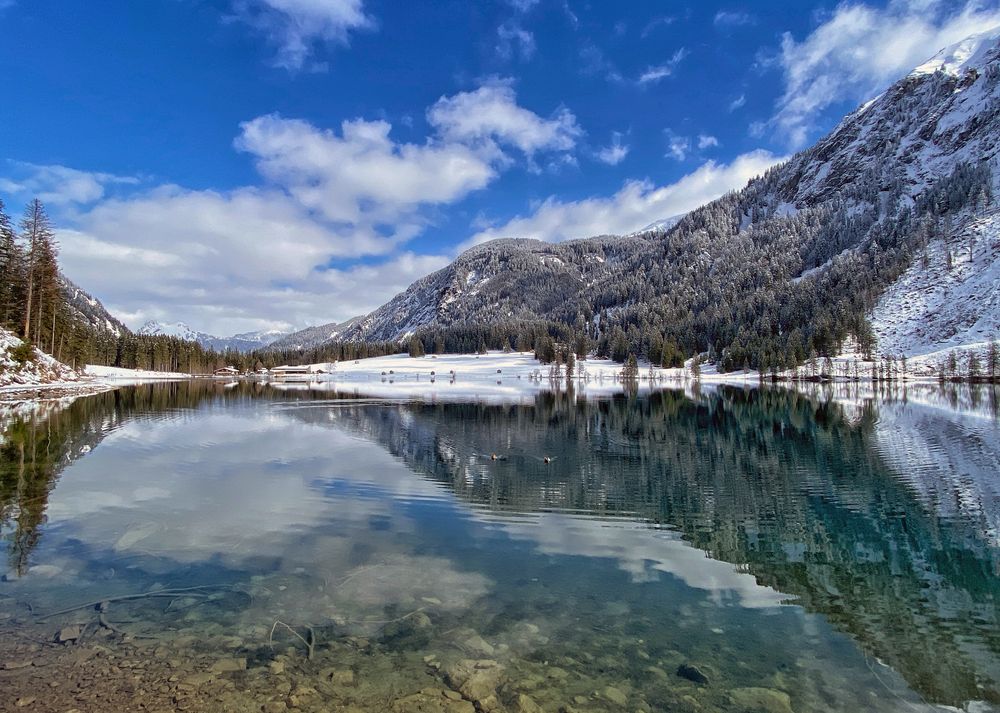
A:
[(89, 310), (787, 267)]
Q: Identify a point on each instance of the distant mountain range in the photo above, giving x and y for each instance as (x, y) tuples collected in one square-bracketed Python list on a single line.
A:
[(245, 342), (89, 310)]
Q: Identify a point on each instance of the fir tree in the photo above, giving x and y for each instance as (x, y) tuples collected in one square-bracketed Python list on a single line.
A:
[(11, 277)]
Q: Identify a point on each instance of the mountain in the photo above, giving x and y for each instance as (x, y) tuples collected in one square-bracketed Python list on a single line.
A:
[(178, 330), (311, 337), (793, 264), (245, 342), (89, 310)]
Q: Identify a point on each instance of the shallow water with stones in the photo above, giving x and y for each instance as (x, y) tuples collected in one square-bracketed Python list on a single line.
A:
[(194, 547)]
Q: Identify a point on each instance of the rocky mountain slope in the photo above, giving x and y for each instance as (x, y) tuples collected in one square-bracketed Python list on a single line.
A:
[(314, 336), (244, 342), (790, 264), (89, 310), (503, 280)]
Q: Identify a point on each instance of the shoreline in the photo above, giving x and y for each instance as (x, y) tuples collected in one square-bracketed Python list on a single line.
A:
[(491, 375), (24, 393)]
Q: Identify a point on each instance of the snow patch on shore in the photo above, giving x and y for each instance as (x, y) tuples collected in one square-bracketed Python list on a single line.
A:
[(39, 370)]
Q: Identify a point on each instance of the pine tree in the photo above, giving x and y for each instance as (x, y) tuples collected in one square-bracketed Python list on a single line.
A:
[(11, 277), (630, 372), (36, 230), (992, 359), (973, 366)]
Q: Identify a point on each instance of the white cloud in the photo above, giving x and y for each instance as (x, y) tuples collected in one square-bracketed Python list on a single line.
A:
[(614, 153), (725, 18), (295, 27), (677, 146), (593, 62), (230, 262), (361, 173), (635, 206), (861, 49), (737, 102), (705, 141), (656, 23), (661, 71), (59, 185), (513, 38), (491, 113), (274, 254)]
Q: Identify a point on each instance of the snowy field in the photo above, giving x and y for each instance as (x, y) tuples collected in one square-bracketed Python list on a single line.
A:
[(118, 374), (495, 376)]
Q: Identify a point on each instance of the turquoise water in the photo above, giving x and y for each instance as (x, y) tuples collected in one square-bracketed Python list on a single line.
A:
[(822, 552)]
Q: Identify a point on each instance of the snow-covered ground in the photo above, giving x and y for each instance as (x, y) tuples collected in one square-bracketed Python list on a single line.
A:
[(40, 369), (495, 376), (931, 308), (117, 374), (518, 375)]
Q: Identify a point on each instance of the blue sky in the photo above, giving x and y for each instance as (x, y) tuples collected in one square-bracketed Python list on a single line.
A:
[(244, 164)]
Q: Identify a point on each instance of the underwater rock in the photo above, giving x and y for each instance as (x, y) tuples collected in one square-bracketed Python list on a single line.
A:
[(339, 677), (477, 680), (556, 673), (14, 665), (765, 700), (692, 673), (657, 672), (198, 679), (615, 695), (525, 704), (277, 668), (228, 665), (68, 634), (412, 632), (478, 646), (431, 700)]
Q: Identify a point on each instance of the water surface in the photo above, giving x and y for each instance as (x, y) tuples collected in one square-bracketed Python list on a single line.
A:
[(831, 551)]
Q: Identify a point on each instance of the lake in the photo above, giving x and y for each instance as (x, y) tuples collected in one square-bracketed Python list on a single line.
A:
[(199, 546)]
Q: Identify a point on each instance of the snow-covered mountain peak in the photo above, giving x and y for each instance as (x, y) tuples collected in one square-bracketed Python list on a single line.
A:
[(971, 53), (169, 329), (246, 342)]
